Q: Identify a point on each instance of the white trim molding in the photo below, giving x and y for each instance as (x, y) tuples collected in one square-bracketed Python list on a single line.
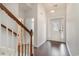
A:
[(68, 49)]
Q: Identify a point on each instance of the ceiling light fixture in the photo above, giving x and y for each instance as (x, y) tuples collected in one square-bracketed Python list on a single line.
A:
[(52, 11)]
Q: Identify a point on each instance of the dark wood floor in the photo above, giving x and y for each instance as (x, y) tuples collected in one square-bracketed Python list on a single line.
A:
[(51, 48)]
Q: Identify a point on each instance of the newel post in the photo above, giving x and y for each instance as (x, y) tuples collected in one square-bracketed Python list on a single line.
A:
[(31, 34)]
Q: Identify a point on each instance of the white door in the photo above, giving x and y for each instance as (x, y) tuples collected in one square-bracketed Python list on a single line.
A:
[(57, 30)]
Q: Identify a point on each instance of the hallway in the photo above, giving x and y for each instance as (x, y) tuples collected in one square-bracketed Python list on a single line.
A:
[(39, 29), (52, 48)]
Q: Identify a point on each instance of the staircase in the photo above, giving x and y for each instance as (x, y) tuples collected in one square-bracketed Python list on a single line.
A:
[(14, 41)]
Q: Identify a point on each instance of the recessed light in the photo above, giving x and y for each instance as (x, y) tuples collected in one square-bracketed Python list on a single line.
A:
[(52, 11)]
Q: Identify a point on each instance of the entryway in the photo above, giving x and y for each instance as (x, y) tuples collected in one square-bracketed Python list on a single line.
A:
[(57, 29)]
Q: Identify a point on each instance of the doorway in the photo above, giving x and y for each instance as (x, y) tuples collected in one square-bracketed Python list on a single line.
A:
[(57, 30)]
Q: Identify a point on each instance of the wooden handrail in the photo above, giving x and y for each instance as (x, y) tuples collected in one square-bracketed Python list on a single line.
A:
[(10, 14)]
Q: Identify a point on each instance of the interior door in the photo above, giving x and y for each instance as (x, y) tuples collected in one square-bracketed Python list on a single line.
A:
[(57, 30)]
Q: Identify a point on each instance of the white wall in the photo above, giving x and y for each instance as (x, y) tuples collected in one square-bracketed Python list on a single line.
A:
[(72, 28), (41, 25)]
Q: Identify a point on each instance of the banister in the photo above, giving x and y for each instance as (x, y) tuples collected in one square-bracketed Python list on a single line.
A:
[(13, 16), (10, 14)]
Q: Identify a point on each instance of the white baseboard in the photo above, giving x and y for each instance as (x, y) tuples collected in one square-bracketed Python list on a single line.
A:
[(38, 45), (68, 49)]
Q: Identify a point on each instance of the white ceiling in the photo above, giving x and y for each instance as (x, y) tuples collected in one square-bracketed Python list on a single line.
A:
[(47, 6), (54, 6), (59, 8), (26, 6)]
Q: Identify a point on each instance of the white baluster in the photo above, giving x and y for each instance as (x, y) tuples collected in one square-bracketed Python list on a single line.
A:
[(16, 38), (12, 44), (7, 45), (0, 27)]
